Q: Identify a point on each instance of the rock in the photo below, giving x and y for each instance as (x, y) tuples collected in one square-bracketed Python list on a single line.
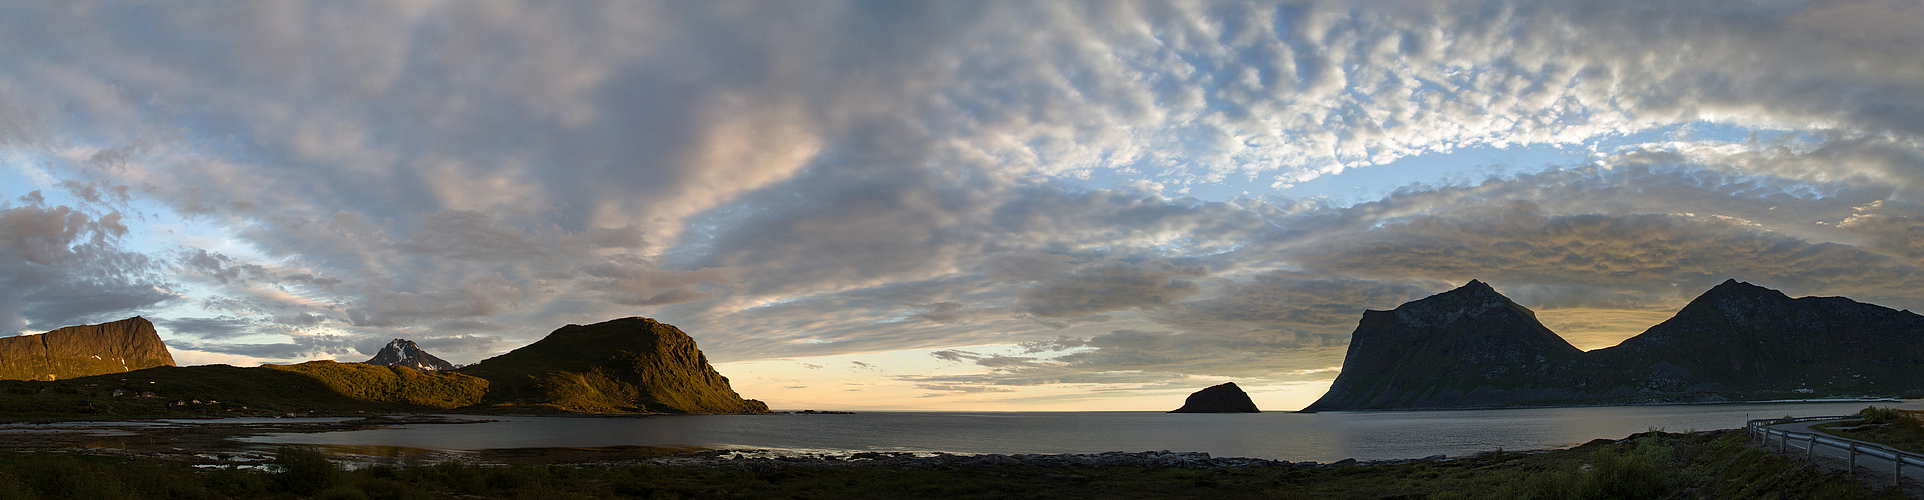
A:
[(84, 350), (1222, 398), (628, 365), (403, 352)]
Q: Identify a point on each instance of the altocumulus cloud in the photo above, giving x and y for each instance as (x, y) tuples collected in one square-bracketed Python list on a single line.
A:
[(816, 178)]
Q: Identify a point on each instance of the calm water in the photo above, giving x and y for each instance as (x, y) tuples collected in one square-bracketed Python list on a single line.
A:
[(1321, 437)]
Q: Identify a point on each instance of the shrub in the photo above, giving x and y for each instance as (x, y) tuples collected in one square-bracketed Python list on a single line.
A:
[(1875, 415), (1643, 471), (304, 470)]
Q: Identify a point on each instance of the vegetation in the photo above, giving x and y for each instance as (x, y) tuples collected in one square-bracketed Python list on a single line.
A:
[(174, 391), (393, 384), (629, 365), (1901, 429), (1650, 465)]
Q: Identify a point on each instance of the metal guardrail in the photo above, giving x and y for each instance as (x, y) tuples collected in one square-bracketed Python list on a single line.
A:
[(1760, 429)]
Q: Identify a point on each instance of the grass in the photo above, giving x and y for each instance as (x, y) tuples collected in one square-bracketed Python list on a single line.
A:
[(393, 384), (1901, 429), (176, 391), (1650, 465)]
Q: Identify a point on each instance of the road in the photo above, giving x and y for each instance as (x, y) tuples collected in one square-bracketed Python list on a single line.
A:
[(1873, 470)]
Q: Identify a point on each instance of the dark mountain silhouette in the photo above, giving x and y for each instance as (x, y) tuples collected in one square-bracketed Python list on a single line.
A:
[(1221, 398), (1473, 348), (628, 365), (403, 352), (84, 350)]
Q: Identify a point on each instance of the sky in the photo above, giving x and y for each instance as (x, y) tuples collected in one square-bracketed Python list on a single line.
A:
[(1025, 205)]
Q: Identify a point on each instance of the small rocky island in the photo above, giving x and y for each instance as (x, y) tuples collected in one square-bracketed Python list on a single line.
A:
[(1223, 398)]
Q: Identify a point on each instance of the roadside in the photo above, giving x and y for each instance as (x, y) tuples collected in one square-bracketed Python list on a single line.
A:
[(1833, 452)]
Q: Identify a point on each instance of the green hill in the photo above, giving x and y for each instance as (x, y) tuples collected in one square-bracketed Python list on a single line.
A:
[(628, 365), (214, 390), (393, 384)]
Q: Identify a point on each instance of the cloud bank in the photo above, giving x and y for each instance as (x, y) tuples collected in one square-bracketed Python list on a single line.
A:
[(1106, 183)]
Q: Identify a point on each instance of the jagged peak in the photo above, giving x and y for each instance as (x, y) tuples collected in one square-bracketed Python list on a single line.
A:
[(1732, 287), (1475, 288)]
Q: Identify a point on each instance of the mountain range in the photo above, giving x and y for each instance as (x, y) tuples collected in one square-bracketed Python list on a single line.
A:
[(628, 365), (1474, 348)]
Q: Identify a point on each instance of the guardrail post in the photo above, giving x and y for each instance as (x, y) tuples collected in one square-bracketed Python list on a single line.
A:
[(1853, 458), (1897, 476), (1810, 449)]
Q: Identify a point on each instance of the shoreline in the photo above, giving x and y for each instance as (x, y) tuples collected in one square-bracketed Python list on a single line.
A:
[(1866, 399), (216, 442)]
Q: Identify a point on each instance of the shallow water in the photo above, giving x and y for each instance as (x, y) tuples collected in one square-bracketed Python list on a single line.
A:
[(1322, 437)]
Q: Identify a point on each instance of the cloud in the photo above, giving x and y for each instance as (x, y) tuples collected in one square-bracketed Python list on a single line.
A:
[(1516, 243), (835, 178), (1112, 287), (61, 266), (216, 328)]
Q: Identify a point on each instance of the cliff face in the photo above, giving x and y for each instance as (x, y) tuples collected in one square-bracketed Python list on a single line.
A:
[(403, 352), (1472, 348), (1222, 398), (1466, 347), (79, 351), (629, 365)]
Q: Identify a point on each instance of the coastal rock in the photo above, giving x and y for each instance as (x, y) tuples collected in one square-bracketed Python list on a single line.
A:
[(628, 365), (403, 352), (1222, 398), (84, 350), (1473, 348)]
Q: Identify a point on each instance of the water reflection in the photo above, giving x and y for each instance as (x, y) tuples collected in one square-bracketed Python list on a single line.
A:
[(1322, 437)]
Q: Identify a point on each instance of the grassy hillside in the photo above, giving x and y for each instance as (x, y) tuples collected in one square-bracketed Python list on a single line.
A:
[(315, 386), (629, 365), (393, 384)]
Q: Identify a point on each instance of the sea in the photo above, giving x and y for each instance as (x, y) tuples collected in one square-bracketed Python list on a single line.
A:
[(1318, 437)]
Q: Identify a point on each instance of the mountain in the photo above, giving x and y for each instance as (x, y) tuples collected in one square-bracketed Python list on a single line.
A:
[(1473, 348), (1742, 338), (628, 365), (84, 350), (1220, 398), (403, 352)]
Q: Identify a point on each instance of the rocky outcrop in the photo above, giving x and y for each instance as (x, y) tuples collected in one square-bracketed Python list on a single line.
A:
[(1473, 348), (629, 365), (1221, 398), (84, 350), (403, 352)]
